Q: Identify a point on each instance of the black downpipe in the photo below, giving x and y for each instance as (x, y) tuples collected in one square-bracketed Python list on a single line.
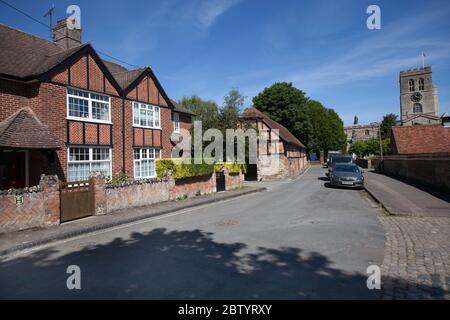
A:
[(123, 134)]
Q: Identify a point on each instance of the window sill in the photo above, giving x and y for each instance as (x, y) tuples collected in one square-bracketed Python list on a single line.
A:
[(89, 120), (144, 127), (144, 178)]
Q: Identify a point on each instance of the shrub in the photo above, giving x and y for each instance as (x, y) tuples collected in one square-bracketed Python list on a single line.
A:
[(182, 170), (119, 179), (233, 167)]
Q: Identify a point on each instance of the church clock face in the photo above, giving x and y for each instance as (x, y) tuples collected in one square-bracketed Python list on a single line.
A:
[(416, 97)]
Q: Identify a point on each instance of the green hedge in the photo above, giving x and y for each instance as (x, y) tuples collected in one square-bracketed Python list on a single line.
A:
[(181, 170), (233, 167)]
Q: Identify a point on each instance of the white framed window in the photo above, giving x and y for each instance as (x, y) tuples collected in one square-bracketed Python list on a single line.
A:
[(144, 162), (82, 161), (85, 105), (176, 122), (146, 115)]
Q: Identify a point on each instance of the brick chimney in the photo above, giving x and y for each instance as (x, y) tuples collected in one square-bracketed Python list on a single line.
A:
[(64, 37)]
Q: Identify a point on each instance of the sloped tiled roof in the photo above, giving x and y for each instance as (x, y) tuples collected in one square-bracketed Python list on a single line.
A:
[(21, 53), (424, 139), (180, 108), (114, 67), (25, 56), (125, 78), (285, 134), (24, 130)]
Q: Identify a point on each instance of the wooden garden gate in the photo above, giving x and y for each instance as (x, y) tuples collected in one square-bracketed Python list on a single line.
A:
[(220, 181), (77, 200)]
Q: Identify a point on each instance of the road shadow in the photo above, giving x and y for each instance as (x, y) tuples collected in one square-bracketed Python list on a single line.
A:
[(163, 264), (323, 178)]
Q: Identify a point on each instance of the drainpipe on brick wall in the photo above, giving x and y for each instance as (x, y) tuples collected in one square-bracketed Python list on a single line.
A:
[(123, 135)]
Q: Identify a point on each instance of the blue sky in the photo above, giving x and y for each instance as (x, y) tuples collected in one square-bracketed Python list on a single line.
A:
[(207, 47)]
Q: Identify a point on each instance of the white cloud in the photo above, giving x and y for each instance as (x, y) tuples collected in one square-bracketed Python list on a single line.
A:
[(209, 11)]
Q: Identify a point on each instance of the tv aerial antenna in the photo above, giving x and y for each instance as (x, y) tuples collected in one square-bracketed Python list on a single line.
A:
[(49, 14)]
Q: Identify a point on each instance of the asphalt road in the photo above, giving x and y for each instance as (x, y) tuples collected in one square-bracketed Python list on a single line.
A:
[(299, 240)]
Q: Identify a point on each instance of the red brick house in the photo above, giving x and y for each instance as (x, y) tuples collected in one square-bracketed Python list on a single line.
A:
[(66, 111)]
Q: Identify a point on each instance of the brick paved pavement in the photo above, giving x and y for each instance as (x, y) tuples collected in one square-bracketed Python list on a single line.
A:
[(417, 258)]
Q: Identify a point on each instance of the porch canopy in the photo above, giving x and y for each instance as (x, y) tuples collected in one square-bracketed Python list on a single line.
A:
[(24, 130)]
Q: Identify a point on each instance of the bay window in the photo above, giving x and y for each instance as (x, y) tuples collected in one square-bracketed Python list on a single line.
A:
[(146, 115), (89, 106), (82, 161), (144, 162)]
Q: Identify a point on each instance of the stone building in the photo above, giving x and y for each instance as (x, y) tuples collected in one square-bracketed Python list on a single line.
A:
[(280, 154), (362, 132), (418, 98)]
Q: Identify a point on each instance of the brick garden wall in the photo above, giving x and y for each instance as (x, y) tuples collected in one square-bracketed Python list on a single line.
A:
[(137, 195), (364, 163), (41, 204), (193, 186), (234, 181), (39, 208), (432, 171)]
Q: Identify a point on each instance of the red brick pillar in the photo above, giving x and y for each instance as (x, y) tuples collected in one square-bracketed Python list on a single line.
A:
[(100, 199), (50, 188)]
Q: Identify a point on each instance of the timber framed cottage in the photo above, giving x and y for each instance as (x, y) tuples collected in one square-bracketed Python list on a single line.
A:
[(280, 154), (66, 111)]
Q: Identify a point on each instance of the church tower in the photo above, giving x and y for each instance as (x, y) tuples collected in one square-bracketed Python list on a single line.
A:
[(418, 98)]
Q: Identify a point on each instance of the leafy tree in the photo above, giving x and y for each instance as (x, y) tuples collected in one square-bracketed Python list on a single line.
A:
[(386, 146), (358, 148), (338, 136), (229, 113), (287, 105), (321, 130), (206, 111), (356, 120), (327, 128), (389, 121), (370, 147)]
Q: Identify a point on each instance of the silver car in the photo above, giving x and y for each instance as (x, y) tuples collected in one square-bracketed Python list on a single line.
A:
[(336, 159), (347, 175)]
